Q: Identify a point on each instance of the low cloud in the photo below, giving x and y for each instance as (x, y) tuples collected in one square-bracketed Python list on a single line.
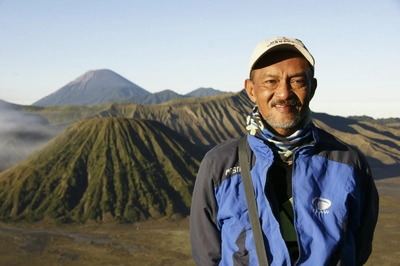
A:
[(21, 134)]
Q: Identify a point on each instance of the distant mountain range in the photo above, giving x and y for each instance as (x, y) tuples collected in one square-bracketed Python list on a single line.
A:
[(127, 162), (105, 86)]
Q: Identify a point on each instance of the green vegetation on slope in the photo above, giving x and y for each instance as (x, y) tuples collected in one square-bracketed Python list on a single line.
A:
[(103, 169)]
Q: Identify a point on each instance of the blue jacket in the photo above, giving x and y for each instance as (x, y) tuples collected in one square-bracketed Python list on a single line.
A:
[(335, 205)]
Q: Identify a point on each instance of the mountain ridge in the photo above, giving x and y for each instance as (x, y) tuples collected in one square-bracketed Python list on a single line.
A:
[(210, 120), (105, 86), (204, 92)]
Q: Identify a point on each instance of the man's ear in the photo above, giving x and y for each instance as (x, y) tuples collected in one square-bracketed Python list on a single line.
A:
[(313, 87), (248, 85)]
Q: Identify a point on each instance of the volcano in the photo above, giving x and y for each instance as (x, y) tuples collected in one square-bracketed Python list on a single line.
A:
[(94, 87), (103, 169)]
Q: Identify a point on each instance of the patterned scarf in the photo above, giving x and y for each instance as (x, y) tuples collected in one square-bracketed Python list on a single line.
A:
[(285, 146)]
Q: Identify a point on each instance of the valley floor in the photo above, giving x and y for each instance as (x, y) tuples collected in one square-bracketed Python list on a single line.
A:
[(150, 243), (386, 245)]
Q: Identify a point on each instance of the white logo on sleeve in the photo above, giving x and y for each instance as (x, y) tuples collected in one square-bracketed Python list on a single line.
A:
[(321, 205)]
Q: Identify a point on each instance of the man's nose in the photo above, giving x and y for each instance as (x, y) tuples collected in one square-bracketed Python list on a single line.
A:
[(284, 90)]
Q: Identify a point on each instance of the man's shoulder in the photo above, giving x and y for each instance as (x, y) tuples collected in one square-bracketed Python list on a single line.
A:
[(223, 155), (223, 149), (221, 161)]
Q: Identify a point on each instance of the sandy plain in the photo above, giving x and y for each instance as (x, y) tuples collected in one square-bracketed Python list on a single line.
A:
[(161, 242)]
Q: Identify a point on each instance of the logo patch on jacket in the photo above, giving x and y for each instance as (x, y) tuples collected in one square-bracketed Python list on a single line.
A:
[(232, 170), (321, 205)]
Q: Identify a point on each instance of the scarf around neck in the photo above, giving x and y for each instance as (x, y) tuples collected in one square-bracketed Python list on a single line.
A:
[(284, 146)]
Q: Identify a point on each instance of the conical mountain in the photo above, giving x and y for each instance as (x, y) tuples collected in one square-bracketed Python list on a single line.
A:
[(93, 87), (103, 169)]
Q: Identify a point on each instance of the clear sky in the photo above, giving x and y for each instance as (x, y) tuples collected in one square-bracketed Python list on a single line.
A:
[(184, 45)]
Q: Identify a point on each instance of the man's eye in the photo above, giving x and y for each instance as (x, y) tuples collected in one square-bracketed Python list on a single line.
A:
[(298, 82)]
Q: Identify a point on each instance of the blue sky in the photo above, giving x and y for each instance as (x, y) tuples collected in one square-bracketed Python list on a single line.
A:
[(184, 45)]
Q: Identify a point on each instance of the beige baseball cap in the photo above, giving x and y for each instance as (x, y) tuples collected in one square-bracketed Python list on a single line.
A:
[(279, 43)]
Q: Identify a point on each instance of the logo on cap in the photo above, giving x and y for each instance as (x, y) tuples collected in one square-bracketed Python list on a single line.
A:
[(279, 41)]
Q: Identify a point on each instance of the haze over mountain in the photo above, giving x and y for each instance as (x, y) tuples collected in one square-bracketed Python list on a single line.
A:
[(21, 133), (103, 169), (93, 87), (105, 86)]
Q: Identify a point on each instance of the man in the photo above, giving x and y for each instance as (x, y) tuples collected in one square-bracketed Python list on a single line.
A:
[(316, 198)]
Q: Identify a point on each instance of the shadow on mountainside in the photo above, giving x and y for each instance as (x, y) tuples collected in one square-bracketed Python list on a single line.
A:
[(382, 171), (344, 125), (385, 133), (337, 122)]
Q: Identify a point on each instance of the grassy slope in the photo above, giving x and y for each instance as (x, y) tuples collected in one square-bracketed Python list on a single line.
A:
[(123, 169)]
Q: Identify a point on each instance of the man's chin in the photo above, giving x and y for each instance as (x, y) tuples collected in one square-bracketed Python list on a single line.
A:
[(288, 122)]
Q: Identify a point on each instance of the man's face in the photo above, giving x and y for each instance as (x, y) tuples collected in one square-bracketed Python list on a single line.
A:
[(282, 86)]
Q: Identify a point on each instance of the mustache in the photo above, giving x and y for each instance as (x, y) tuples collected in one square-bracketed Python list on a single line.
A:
[(293, 103)]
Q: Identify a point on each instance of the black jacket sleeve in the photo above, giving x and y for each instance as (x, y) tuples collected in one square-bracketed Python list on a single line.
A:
[(204, 234), (368, 219)]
